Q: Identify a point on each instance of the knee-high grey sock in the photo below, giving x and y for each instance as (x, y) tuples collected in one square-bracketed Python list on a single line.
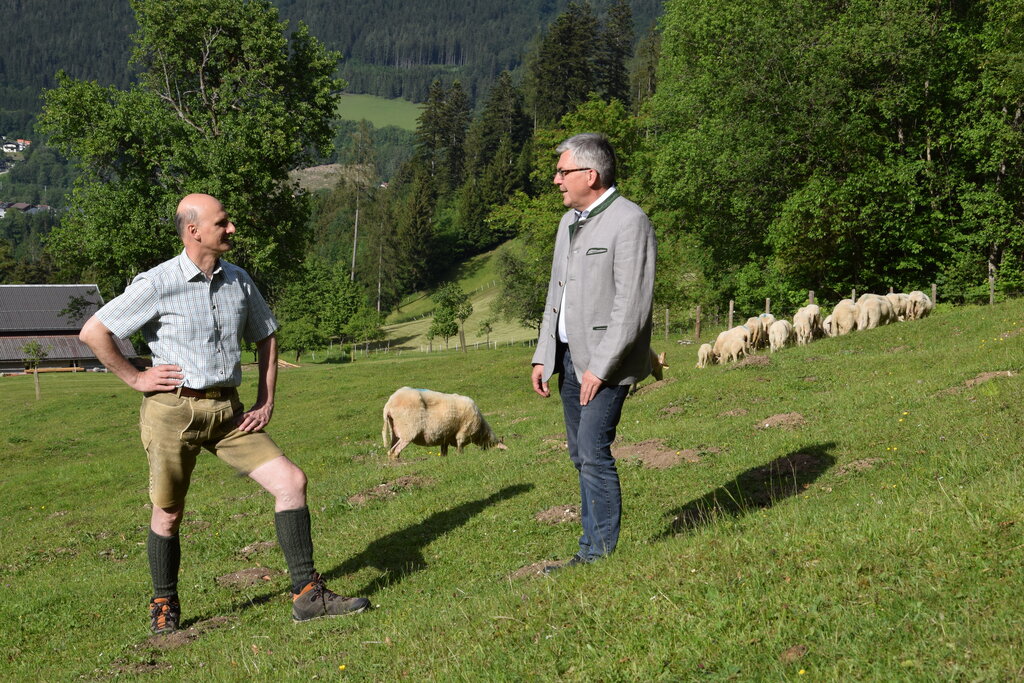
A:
[(164, 560), (296, 541)]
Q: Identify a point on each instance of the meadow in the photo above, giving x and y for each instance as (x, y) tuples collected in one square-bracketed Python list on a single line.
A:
[(380, 111), (847, 510)]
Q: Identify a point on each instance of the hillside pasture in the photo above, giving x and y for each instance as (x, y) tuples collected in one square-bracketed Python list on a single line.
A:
[(851, 510), (380, 111)]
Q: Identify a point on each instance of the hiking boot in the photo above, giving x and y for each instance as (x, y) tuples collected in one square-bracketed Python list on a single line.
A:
[(164, 614), (317, 600)]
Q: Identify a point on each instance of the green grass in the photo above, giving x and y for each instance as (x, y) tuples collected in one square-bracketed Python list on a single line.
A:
[(407, 327), (881, 540), (379, 111)]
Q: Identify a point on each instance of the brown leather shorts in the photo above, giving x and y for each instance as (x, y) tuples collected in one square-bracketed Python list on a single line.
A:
[(174, 430)]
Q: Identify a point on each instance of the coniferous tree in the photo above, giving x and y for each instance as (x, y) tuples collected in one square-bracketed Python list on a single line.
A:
[(560, 73), (614, 50)]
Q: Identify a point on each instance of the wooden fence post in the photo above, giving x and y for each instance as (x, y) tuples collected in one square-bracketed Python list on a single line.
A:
[(666, 324), (767, 305), (935, 294), (732, 307), (853, 295), (810, 297), (696, 325)]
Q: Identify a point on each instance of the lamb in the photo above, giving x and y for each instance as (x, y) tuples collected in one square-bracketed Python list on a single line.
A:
[(705, 356), (919, 305), (779, 334), (807, 323), (430, 418), (844, 317)]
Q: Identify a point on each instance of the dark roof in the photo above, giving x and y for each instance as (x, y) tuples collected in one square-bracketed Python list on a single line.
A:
[(47, 308), (57, 347)]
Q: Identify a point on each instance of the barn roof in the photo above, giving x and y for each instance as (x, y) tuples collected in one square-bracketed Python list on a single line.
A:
[(47, 308), (57, 347)]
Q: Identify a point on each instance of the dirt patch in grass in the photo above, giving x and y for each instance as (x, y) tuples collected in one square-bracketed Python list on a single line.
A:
[(757, 361), (981, 378), (555, 442), (858, 466), (247, 578), (672, 409), (535, 569), (784, 420), (654, 454), (653, 386), (792, 654), (559, 514), (519, 419), (390, 489), (171, 641), (735, 412), (897, 349), (256, 547), (810, 378)]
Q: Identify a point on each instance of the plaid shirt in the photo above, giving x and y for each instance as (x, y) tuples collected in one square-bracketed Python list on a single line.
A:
[(191, 322)]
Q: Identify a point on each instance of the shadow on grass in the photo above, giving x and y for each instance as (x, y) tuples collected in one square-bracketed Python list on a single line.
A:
[(401, 553), (757, 488)]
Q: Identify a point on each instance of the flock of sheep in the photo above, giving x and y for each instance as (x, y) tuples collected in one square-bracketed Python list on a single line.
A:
[(869, 311)]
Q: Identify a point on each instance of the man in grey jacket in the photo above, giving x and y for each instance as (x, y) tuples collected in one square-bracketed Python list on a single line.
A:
[(596, 329)]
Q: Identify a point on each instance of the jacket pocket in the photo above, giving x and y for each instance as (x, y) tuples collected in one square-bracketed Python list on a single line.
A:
[(600, 327), (596, 250)]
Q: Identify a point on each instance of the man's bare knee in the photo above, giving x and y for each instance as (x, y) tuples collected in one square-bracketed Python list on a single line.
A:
[(166, 521), (284, 480)]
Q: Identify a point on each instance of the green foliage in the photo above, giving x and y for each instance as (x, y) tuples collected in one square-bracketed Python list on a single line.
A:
[(450, 314), (225, 105), (443, 325), (318, 306)]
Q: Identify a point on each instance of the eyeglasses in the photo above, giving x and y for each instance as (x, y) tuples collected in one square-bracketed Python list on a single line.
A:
[(562, 172)]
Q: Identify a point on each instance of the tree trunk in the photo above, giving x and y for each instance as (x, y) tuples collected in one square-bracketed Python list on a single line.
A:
[(35, 375)]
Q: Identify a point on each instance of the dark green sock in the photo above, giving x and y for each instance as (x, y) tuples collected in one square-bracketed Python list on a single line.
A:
[(164, 560), (296, 541)]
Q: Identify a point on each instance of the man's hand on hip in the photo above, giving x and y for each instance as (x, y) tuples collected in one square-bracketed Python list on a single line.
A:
[(158, 378), (589, 387), (539, 385), (255, 419)]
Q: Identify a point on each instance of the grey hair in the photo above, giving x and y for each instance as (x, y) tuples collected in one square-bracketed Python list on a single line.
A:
[(592, 150), (183, 218)]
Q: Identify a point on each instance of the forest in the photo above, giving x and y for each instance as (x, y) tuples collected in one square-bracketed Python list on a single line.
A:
[(777, 146)]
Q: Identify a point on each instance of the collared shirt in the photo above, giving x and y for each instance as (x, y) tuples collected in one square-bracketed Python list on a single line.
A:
[(580, 215), (192, 322)]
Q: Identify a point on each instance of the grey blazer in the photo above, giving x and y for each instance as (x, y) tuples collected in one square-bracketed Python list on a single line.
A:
[(607, 269)]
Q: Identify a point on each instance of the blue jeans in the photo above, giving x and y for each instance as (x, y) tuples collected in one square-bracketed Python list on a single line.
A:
[(590, 431)]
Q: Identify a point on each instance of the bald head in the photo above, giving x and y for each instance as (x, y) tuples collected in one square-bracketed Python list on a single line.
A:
[(190, 208)]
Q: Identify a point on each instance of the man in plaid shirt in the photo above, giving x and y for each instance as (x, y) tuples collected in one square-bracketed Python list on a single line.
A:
[(194, 310)]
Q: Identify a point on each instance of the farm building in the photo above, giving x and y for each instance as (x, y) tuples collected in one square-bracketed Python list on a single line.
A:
[(53, 315)]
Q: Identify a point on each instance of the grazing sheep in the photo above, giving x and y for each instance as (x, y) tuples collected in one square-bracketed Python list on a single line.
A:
[(844, 317), (807, 323), (779, 334), (739, 331), (766, 322), (430, 418), (733, 347), (900, 304), (705, 356), (873, 310), (757, 333), (919, 305), (828, 326)]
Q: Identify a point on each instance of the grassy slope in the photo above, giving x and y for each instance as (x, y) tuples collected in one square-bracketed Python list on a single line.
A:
[(478, 277), (379, 111), (907, 569)]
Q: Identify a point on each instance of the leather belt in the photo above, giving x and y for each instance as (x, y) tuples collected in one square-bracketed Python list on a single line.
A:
[(215, 392)]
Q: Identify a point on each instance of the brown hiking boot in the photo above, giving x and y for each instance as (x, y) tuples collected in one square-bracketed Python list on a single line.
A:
[(164, 614), (317, 600)]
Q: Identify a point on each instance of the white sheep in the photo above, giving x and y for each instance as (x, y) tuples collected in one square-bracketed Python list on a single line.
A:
[(657, 365), (766, 322), (430, 418), (779, 334), (883, 310), (807, 323), (734, 347), (705, 355), (919, 304), (740, 331), (757, 333), (900, 304), (844, 317), (828, 326)]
